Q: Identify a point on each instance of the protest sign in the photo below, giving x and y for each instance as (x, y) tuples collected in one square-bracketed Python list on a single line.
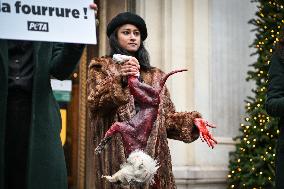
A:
[(70, 21)]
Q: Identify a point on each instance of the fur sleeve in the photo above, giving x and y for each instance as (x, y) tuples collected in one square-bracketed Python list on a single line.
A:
[(180, 125), (105, 91)]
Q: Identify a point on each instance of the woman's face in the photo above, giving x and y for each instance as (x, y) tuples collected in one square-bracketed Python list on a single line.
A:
[(129, 37)]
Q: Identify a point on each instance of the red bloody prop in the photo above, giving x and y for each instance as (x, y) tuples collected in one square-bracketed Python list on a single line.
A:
[(135, 132)]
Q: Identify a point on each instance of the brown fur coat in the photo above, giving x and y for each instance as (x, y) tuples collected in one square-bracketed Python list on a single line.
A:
[(110, 101)]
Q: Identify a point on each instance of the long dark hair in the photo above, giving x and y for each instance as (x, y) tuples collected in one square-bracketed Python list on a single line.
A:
[(141, 54)]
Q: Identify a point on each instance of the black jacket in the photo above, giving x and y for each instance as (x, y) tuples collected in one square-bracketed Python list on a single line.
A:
[(275, 94), (46, 163), (275, 107)]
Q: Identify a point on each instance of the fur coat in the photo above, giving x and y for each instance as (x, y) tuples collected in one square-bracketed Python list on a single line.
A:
[(109, 100)]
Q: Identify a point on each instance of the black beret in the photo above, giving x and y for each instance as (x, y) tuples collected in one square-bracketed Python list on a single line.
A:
[(128, 18)]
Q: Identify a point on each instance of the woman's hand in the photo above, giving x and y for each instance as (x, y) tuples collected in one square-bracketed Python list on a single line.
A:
[(202, 125), (130, 67), (95, 8)]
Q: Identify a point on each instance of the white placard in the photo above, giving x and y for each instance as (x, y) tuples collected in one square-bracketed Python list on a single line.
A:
[(70, 21), (57, 85)]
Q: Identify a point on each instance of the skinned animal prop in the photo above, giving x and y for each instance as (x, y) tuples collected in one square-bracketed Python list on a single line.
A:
[(140, 168)]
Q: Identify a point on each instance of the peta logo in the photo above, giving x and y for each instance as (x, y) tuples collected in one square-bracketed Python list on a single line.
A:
[(38, 26)]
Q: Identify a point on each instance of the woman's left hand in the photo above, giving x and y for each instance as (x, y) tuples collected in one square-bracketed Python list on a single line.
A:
[(205, 135)]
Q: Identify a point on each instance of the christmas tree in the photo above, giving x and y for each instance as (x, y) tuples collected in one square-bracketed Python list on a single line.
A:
[(252, 164)]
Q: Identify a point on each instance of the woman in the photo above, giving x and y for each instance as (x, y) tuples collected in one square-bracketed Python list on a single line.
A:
[(109, 100), (275, 106)]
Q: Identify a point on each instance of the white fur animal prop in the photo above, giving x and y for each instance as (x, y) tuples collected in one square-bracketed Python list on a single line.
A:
[(120, 58), (139, 168)]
